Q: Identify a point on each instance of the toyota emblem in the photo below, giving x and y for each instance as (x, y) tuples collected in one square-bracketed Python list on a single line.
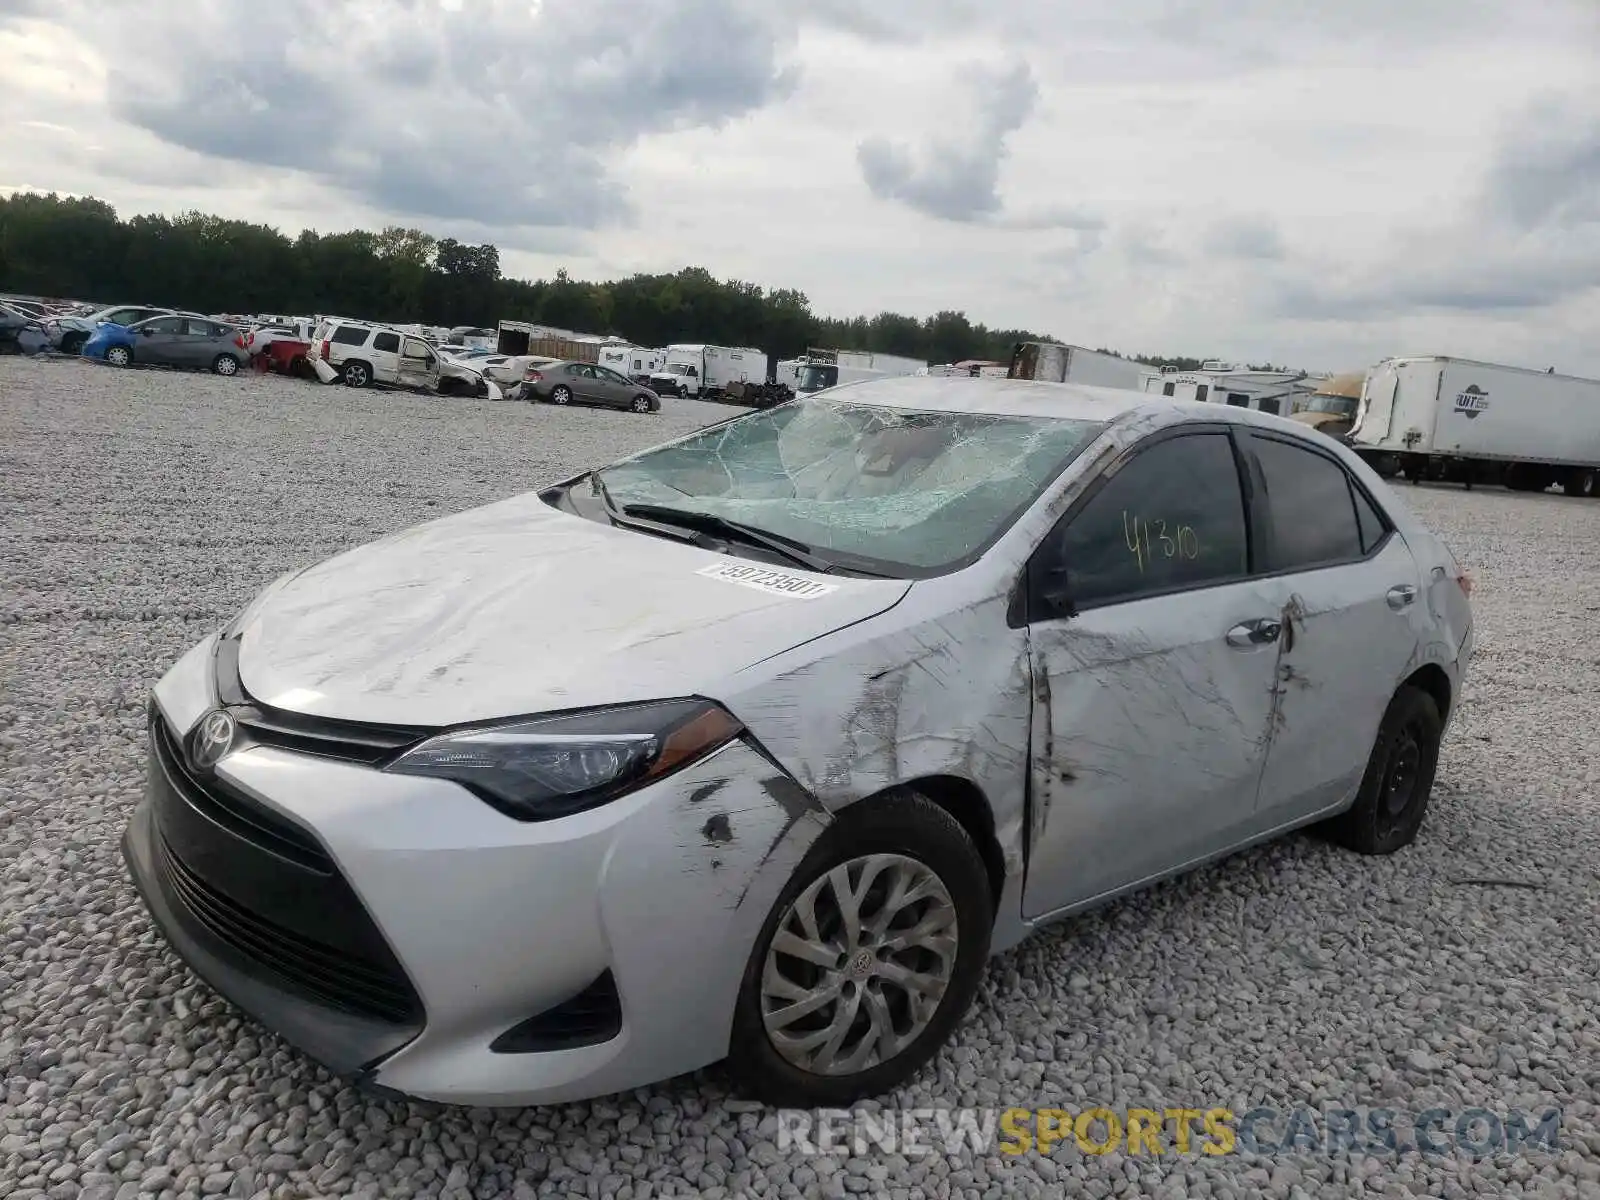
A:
[(212, 739)]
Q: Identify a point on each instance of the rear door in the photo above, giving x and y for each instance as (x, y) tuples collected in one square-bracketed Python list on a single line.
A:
[(585, 385), (160, 341), (385, 355), (198, 344), (1345, 586)]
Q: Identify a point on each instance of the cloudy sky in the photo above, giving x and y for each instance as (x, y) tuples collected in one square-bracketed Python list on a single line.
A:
[(1322, 183)]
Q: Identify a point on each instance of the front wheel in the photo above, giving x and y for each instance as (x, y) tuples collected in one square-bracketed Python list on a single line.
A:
[(72, 343), (561, 395), (641, 404), (225, 364), (119, 356), (869, 959), (1399, 778)]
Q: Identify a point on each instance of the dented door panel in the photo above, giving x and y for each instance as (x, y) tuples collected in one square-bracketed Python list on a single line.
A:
[(1344, 651), (1148, 740)]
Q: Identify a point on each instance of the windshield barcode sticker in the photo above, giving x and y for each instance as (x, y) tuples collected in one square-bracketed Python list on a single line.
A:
[(765, 580)]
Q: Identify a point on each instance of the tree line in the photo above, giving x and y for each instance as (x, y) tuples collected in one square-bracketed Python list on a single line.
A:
[(78, 248)]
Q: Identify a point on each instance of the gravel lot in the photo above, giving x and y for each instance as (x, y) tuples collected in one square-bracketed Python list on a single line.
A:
[(139, 510)]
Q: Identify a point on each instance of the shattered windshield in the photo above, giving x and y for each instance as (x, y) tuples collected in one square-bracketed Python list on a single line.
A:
[(909, 491)]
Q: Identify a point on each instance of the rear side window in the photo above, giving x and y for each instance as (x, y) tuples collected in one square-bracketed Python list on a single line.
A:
[(1373, 527), (1171, 518), (389, 343), (1309, 507), (163, 325), (350, 335)]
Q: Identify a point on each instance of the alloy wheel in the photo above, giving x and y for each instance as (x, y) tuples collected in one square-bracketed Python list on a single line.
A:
[(858, 964)]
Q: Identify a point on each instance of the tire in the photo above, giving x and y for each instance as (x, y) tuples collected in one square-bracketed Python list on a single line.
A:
[(1582, 481), (1394, 792), (356, 374), (119, 356), (561, 395), (225, 364), (641, 404), (900, 832)]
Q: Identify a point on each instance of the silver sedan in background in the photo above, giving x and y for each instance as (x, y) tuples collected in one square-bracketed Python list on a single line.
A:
[(758, 744)]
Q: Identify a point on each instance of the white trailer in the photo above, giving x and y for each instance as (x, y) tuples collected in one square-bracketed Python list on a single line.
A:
[(1223, 383), (1060, 363), (1476, 422), (636, 362), (821, 369), (698, 370)]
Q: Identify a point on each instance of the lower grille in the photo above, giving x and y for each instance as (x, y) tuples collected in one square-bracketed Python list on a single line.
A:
[(334, 976), (593, 1016)]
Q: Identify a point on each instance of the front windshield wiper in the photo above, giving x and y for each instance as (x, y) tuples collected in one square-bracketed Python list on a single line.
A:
[(795, 551)]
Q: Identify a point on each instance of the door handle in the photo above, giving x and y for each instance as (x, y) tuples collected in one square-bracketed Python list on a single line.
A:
[(1401, 596), (1261, 632)]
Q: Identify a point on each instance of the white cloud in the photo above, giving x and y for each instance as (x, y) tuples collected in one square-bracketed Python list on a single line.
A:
[(1237, 177)]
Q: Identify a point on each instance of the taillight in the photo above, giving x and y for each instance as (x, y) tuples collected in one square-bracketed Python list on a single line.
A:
[(251, 339), (238, 340), (1464, 581), (531, 376), (324, 354)]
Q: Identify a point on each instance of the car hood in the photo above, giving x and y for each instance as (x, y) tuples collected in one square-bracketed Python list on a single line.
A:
[(518, 608)]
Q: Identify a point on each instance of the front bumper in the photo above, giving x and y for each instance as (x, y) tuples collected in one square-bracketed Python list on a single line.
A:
[(487, 922)]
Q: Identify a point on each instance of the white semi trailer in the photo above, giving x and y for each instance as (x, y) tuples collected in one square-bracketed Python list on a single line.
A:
[(1476, 422)]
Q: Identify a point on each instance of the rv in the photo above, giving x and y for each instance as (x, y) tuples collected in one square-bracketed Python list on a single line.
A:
[(1224, 383), (700, 371), (635, 362), (1453, 418)]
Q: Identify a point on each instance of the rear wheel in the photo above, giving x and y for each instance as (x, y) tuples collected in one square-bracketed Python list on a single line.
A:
[(225, 364), (561, 395), (1399, 778), (869, 959), (1582, 481), (356, 374), (119, 356)]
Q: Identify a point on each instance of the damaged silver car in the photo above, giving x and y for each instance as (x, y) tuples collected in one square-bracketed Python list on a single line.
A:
[(758, 744)]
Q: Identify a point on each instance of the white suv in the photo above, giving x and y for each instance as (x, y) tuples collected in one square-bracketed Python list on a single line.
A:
[(362, 354)]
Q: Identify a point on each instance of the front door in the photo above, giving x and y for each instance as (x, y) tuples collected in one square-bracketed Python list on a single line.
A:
[(419, 366), (1347, 588), (1153, 653), (612, 388), (160, 341)]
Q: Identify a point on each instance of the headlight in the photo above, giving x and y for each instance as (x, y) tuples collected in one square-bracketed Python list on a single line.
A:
[(551, 767)]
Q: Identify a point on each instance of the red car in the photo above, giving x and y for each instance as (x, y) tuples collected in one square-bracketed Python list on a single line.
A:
[(285, 356)]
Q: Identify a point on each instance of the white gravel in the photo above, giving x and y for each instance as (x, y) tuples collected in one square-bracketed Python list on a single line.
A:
[(138, 510)]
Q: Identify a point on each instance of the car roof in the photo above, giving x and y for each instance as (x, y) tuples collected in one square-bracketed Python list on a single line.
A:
[(1039, 398)]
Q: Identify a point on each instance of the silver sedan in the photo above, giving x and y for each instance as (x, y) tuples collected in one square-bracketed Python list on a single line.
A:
[(757, 745)]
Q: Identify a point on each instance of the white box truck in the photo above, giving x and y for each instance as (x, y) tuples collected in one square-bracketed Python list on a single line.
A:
[(700, 371), (1476, 422), (1060, 363), (821, 369)]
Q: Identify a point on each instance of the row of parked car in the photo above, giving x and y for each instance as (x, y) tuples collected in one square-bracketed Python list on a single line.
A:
[(356, 353)]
